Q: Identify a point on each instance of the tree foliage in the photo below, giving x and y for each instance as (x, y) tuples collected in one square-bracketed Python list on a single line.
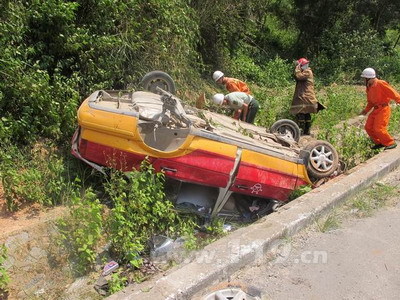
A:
[(53, 53)]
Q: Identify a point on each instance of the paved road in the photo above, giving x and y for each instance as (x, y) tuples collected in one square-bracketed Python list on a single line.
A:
[(359, 260)]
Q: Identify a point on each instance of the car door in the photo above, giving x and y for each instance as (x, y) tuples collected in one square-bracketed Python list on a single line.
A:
[(265, 176), (204, 161)]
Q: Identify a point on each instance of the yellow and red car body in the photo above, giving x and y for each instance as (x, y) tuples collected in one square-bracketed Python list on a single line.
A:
[(120, 129)]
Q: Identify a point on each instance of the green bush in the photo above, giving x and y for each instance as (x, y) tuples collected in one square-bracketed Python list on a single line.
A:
[(275, 73), (345, 55), (81, 231), (394, 123), (300, 191), (34, 108), (343, 102), (54, 53), (140, 211), (278, 73), (37, 175), (248, 70), (388, 67), (352, 144), (117, 282), (351, 141)]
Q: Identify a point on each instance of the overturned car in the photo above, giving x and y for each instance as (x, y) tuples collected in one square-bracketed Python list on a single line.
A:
[(222, 166)]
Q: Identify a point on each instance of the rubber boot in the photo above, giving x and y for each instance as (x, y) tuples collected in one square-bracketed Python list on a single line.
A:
[(307, 126), (302, 125)]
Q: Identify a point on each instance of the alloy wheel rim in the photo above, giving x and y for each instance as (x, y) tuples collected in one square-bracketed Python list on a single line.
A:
[(321, 158)]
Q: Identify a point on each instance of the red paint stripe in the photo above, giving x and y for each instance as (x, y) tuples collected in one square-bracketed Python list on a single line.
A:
[(111, 157), (263, 182), (202, 167), (199, 166)]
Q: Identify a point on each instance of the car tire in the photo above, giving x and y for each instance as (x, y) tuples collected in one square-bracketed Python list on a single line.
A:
[(286, 129), (323, 159), (155, 79)]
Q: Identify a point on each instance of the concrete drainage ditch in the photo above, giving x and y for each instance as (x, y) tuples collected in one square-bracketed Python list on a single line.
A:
[(37, 267)]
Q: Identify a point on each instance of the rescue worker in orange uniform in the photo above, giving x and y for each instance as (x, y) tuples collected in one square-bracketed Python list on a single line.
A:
[(231, 84), (379, 94)]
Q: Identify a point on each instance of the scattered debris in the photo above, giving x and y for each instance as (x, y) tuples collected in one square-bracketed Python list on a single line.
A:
[(227, 228), (148, 267), (160, 245), (110, 267), (164, 248), (187, 207)]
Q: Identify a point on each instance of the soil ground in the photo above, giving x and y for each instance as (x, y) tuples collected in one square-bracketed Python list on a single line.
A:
[(25, 217)]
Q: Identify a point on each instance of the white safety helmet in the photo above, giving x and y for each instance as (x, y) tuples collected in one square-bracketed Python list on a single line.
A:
[(218, 99), (368, 73), (217, 75)]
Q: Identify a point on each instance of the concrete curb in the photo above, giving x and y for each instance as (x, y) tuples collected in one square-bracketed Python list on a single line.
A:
[(219, 260)]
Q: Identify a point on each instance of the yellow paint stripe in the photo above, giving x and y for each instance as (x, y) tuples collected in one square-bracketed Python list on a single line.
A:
[(274, 163), (99, 120), (200, 143)]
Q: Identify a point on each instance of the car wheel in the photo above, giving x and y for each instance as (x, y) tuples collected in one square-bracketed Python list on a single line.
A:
[(287, 129), (323, 160), (230, 293), (155, 79)]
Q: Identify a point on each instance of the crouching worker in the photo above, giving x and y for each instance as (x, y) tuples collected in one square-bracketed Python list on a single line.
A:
[(379, 94), (245, 106)]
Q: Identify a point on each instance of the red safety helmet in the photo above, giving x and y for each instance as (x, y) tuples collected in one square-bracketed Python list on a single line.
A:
[(303, 61)]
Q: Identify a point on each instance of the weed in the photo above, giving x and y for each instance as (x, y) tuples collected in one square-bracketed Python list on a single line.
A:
[(287, 237), (4, 278), (146, 290), (140, 211), (373, 198), (117, 282), (362, 206), (211, 232), (274, 104), (380, 193), (299, 191), (138, 277), (215, 227), (191, 242), (329, 223), (37, 175), (81, 231)]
